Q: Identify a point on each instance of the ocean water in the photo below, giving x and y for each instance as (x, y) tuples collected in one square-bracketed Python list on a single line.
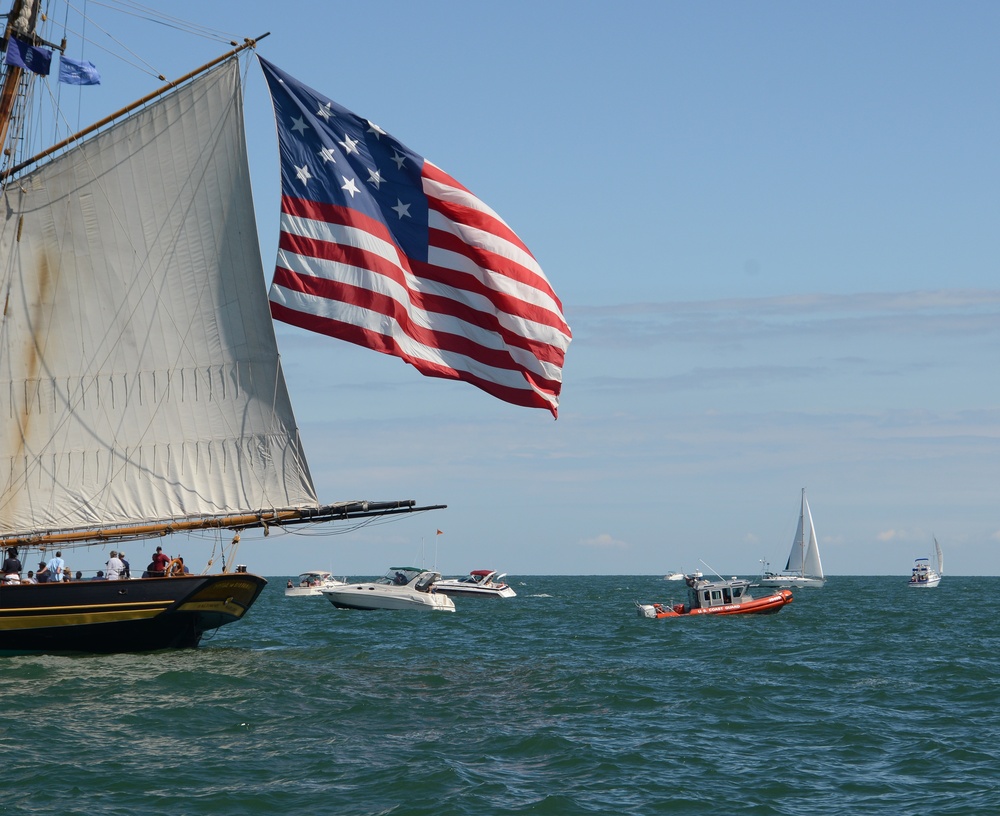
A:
[(864, 697)]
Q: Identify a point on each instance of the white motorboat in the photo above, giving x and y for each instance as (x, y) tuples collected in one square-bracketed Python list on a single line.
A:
[(803, 568), (479, 583), (674, 576), (311, 583), (923, 574), (400, 588)]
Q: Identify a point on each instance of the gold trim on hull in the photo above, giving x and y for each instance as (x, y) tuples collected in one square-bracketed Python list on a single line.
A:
[(43, 621)]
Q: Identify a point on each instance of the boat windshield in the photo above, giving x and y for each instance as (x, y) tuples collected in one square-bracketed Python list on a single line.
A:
[(399, 576)]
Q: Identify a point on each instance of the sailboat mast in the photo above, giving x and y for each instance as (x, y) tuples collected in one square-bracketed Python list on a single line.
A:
[(802, 535), (20, 22)]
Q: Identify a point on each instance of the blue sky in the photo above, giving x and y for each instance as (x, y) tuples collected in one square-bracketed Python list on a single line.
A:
[(773, 227)]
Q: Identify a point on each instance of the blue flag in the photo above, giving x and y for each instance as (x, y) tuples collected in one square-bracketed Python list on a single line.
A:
[(78, 72), (26, 55)]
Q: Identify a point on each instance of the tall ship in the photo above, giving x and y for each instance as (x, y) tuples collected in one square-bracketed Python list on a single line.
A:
[(140, 382)]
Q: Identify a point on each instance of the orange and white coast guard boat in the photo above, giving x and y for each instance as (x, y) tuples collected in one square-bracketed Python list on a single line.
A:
[(721, 597)]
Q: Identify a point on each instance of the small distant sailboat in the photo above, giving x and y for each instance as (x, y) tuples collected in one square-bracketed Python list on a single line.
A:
[(803, 568), (923, 575)]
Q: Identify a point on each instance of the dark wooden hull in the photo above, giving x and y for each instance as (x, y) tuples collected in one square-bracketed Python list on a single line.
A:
[(122, 616)]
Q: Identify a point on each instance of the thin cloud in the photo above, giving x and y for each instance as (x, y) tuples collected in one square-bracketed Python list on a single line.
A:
[(604, 541), (735, 322)]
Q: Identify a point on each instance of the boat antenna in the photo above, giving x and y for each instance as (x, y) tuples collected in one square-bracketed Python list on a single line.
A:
[(713, 570)]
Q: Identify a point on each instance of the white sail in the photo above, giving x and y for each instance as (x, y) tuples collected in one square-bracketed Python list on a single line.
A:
[(940, 557), (795, 555), (812, 567), (139, 374)]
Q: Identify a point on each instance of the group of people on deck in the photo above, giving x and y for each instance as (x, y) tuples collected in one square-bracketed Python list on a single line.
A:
[(117, 568)]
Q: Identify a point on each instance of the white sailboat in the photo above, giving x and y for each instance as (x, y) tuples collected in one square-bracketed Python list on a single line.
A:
[(923, 575), (140, 381), (803, 568)]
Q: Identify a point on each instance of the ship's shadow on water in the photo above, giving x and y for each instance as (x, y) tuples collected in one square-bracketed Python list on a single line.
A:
[(861, 697)]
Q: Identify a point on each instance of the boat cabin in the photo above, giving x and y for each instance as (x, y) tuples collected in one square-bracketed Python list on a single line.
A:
[(483, 577), (311, 579), (705, 594), (422, 580), (921, 571)]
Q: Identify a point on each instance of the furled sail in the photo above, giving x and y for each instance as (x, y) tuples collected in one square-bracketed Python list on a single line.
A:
[(139, 375)]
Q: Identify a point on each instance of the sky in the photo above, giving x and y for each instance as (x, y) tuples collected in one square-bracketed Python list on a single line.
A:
[(774, 230)]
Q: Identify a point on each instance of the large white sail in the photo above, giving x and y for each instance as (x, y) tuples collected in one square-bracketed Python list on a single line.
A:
[(812, 567), (139, 374), (803, 558)]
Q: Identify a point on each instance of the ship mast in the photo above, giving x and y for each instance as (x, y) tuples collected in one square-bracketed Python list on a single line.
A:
[(20, 23)]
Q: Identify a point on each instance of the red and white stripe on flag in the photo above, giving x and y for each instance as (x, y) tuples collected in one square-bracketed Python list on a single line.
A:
[(479, 309)]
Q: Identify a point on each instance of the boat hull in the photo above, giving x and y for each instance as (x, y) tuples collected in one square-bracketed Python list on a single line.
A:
[(930, 583), (140, 615), (310, 591), (758, 606), (795, 581), (469, 591), (368, 597)]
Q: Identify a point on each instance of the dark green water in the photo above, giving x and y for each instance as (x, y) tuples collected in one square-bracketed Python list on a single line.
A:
[(865, 697)]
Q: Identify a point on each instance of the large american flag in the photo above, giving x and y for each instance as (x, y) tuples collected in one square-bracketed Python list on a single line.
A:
[(380, 247)]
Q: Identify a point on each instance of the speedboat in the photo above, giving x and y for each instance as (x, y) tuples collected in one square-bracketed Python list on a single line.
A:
[(674, 576), (399, 588), (722, 597), (477, 584), (311, 583)]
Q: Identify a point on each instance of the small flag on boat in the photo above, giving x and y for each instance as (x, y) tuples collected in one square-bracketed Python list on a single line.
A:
[(381, 248), (78, 72), (440, 533), (25, 55)]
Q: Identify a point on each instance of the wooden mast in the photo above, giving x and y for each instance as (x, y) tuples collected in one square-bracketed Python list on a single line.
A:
[(247, 43), (344, 511), (20, 21)]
